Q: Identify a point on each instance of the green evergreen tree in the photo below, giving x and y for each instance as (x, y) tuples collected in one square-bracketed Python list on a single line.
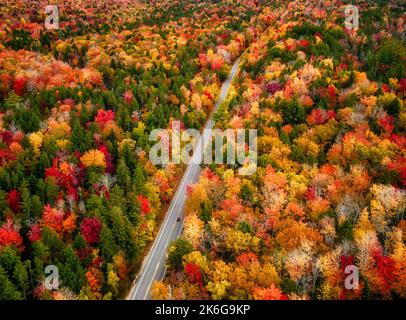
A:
[(8, 289), (123, 175), (11, 262), (177, 250), (71, 272), (36, 206), (123, 233), (292, 112), (51, 240), (139, 179), (3, 205), (26, 205), (78, 134), (5, 179), (117, 198), (107, 243), (129, 158), (133, 210)]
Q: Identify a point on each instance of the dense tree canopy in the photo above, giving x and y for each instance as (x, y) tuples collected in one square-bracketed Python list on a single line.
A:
[(77, 189), (329, 189)]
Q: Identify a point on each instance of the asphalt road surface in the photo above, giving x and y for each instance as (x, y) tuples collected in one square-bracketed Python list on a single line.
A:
[(153, 267)]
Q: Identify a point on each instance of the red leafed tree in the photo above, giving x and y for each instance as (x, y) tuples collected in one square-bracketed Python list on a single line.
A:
[(144, 203), (162, 182), (347, 294), (332, 92), (189, 189), (103, 117), (304, 43), (13, 200), (128, 96), (19, 85), (386, 123), (400, 140), (319, 116), (272, 293), (94, 277), (402, 85), (246, 259), (399, 165), (34, 234), (53, 218), (6, 136), (203, 59), (217, 63), (208, 174), (273, 87), (232, 207), (66, 180), (194, 273), (346, 261), (311, 193), (90, 229), (39, 291), (385, 269), (5, 155), (107, 156), (9, 236)]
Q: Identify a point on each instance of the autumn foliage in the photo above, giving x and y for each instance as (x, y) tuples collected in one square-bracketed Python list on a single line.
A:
[(328, 192), (78, 190)]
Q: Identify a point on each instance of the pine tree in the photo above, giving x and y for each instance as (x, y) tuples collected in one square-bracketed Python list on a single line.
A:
[(40, 257), (51, 191), (12, 264), (5, 179), (123, 118), (139, 179), (36, 206), (123, 175), (20, 275), (117, 198), (3, 205), (78, 135), (51, 240), (71, 272), (26, 205), (107, 243), (27, 121), (8, 289), (12, 101), (177, 250), (293, 113), (123, 233), (133, 209), (129, 157), (17, 175)]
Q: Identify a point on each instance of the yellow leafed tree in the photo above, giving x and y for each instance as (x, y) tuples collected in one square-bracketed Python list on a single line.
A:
[(93, 158), (159, 291)]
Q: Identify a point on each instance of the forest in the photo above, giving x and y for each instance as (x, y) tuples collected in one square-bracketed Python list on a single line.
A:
[(77, 189), (329, 192), (79, 192)]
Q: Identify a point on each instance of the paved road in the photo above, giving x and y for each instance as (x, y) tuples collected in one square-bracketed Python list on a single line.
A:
[(153, 267)]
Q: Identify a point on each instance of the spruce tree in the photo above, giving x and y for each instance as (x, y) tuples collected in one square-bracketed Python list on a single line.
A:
[(77, 136), (123, 175), (123, 233), (8, 289), (71, 272), (107, 243), (26, 205), (11, 262)]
